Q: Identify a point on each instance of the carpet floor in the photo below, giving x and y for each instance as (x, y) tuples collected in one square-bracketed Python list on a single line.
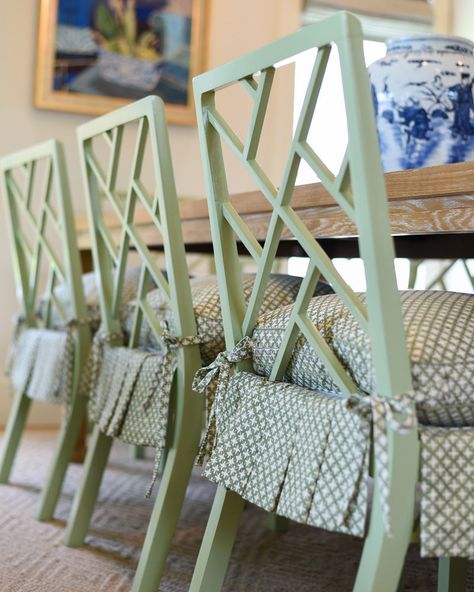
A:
[(33, 558)]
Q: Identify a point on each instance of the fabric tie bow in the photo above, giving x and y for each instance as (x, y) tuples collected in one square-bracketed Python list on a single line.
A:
[(219, 369), (71, 326), (399, 415), (164, 379)]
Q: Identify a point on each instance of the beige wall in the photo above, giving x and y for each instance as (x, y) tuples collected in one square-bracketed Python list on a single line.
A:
[(463, 18), (234, 28), (454, 17)]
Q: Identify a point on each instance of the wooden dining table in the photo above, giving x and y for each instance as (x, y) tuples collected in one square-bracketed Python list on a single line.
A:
[(431, 214)]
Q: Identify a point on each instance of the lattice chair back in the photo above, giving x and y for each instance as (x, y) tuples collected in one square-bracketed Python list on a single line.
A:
[(373, 319), (46, 263), (112, 248), (132, 385), (358, 189)]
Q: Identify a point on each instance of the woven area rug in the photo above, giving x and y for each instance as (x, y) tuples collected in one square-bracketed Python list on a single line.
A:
[(33, 558)]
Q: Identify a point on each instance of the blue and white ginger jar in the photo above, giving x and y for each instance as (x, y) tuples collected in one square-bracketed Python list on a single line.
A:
[(422, 93)]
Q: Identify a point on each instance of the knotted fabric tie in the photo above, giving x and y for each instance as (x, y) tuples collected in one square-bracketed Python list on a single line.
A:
[(164, 379), (94, 362), (219, 370), (171, 344), (398, 414), (71, 327)]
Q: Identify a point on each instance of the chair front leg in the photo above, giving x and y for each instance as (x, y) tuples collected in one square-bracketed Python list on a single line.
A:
[(383, 556), (216, 547), (14, 430), (164, 518), (86, 495), (136, 452), (277, 523), (70, 432), (452, 574)]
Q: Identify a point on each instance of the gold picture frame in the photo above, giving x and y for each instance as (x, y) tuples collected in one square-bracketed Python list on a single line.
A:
[(79, 71)]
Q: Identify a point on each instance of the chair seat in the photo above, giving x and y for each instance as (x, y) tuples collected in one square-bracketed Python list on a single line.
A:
[(40, 359), (40, 364), (294, 451), (128, 376), (281, 291), (305, 455), (130, 399), (439, 329), (92, 298)]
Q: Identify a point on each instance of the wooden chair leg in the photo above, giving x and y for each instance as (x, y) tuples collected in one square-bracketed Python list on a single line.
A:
[(86, 495), (14, 430), (216, 547), (452, 574), (136, 452), (401, 582), (163, 459), (277, 523), (164, 518), (80, 449), (67, 445), (383, 556)]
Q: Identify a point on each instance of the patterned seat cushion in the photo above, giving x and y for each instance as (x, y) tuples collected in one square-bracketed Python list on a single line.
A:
[(439, 327), (92, 297), (40, 360), (281, 290), (447, 492)]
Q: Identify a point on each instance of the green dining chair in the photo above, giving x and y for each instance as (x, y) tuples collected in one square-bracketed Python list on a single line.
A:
[(51, 342), (138, 395), (314, 398), (148, 348)]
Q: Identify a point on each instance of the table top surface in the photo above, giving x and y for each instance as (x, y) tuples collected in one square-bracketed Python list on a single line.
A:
[(433, 200)]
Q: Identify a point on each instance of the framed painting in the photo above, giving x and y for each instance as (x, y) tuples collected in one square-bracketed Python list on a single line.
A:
[(96, 55)]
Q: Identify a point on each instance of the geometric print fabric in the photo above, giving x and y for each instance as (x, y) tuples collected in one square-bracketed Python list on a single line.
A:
[(447, 492), (40, 359), (439, 328), (40, 364), (281, 290), (130, 398), (124, 374), (270, 452), (297, 452)]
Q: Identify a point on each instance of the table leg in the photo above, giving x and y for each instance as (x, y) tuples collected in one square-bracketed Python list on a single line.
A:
[(80, 449)]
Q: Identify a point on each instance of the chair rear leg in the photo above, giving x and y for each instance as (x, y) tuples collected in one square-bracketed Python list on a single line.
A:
[(216, 547), (14, 430), (136, 452), (80, 448), (452, 574), (86, 495), (164, 518), (70, 432), (277, 523), (401, 581), (383, 556)]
